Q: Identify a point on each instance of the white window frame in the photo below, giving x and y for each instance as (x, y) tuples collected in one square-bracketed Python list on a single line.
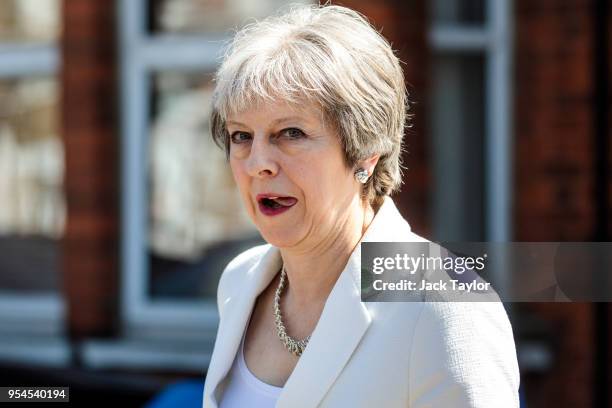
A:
[(142, 54), (30, 313), (39, 317), (494, 40)]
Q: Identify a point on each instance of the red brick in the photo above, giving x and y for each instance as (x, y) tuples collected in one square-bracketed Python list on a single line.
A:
[(89, 99)]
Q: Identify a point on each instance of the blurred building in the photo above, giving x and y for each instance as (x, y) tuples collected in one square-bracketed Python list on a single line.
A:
[(118, 213)]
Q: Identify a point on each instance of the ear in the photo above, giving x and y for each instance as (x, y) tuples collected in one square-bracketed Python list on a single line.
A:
[(370, 163)]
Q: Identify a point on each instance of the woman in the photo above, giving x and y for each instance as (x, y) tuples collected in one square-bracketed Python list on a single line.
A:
[(310, 107)]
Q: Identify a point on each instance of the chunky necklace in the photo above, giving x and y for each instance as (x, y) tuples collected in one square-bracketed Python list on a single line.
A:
[(294, 346)]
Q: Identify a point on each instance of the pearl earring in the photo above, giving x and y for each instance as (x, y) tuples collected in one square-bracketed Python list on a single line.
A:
[(362, 175)]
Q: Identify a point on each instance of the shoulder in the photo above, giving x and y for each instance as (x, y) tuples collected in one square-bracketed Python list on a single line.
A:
[(458, 322), (451, 323), (237, 268), (465, 350), (244, 261)]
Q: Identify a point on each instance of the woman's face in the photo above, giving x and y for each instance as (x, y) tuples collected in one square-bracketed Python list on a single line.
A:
[(290, 170)]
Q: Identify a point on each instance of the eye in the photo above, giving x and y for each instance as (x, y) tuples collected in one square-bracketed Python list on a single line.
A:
[(240, 137), (292, 133)]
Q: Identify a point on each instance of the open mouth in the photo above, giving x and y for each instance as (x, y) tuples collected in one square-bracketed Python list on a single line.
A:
[(272, 205), (277, 202)]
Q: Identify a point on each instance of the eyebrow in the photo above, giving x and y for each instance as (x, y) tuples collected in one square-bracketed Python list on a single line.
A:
[(274, 122)]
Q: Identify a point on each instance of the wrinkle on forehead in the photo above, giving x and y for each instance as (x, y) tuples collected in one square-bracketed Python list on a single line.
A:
[(301, 108)]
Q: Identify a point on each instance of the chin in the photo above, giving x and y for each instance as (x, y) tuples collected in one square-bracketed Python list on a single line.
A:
[(279, 238)]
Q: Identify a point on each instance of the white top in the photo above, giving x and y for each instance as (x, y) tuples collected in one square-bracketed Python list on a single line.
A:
[(246, 390)]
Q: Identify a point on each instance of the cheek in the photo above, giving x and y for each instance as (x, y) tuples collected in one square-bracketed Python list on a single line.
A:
[(334, 174), (324, 183), (306, 173), (241, 180)]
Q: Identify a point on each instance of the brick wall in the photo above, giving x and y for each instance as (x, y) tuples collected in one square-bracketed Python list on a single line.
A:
[(553, 120), (89, 120), (555, 172)]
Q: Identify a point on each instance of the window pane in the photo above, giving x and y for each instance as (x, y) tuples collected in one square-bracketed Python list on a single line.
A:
[(29, 20), (197, 221), (458, 11), (208, 16), (457, 125), (32, 207)]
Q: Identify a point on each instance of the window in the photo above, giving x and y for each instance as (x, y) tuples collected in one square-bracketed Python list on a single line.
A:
[(182, 218), (32, 208), (470, 121)]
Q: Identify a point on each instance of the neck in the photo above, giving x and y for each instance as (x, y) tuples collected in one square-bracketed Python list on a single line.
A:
[(312, 272)]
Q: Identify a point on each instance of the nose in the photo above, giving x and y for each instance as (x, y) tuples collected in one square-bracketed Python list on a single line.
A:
[(261, 162)]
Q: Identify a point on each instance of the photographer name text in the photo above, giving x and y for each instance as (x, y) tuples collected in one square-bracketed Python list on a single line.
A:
[(441, 285)]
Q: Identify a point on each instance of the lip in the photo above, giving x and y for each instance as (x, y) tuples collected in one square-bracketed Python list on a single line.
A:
[(271, 211)]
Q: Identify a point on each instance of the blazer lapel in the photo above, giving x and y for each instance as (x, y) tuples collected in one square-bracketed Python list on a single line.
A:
[(342, 324), (236, 314)]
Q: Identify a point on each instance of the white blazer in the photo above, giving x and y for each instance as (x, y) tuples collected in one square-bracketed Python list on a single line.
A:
[(380, 354)]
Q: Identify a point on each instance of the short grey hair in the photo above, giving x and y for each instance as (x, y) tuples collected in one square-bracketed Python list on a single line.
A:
[(332, 56)]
